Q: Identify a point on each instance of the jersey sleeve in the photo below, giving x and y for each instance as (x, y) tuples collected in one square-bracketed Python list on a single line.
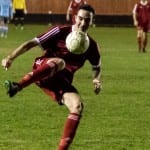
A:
[(47, 39)]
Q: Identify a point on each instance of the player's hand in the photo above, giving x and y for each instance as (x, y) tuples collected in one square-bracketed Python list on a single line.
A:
[(135, 23), (6, 63), (25, 11), (97, 86)]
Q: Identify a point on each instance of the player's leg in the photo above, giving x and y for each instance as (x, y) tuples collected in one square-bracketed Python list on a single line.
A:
[(16, 22), (22, 23), (16, 18), (73, 102), (145, 36), (2, 27), (144, 41), (44, 68), (21, 19), (1, 31), (140, 39), (6, 20)]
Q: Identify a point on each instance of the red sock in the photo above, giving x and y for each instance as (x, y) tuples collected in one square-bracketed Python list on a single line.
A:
[(40, 73), (145, 43), (140, 43), (69, 131)]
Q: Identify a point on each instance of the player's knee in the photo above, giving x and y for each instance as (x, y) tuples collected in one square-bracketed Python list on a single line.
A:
[(57, 61), (73, 102), (80, 107), (61, 64), (77, 108)]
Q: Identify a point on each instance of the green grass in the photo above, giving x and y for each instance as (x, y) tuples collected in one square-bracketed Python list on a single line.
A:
[(117, 119)]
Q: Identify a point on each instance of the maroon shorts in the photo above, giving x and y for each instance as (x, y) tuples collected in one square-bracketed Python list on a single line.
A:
[(143, 26), (57, 85)]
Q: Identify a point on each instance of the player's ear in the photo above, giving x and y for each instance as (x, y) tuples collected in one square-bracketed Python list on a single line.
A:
[(92, 19), (91, 22)]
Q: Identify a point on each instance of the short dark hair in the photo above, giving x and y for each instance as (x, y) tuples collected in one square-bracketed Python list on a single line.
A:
[(87, 7)]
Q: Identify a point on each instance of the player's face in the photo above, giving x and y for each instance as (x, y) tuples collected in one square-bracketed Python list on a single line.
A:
[(83, 20), (77, 1)]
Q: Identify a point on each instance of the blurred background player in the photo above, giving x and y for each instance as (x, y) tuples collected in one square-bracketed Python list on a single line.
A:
[(54, 70), (73, 8), (141, 18), (5, 15), (19, 7)]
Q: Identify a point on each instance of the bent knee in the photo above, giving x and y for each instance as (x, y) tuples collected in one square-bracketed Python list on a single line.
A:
[(77, 108), (59, 62), (73, 102), (80, 107)]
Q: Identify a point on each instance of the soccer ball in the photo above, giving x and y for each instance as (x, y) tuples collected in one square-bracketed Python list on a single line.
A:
[(77, 42)]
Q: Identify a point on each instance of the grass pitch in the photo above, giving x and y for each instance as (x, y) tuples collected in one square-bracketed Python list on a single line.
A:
[(117, 119)]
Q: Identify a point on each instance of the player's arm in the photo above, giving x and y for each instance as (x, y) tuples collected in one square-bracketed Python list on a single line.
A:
[(97, 78), (95, 60), (134, 15), (24, 7), (26, 46), (85, 1), (68, 11)]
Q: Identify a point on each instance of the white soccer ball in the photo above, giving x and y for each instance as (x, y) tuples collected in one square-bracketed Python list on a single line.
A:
[(77, 42)]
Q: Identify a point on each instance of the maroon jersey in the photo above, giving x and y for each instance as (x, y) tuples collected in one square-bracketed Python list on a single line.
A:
[(143, 14), (53, 42), (74, 6)]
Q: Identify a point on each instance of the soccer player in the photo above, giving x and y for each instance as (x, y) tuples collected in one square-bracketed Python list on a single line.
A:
[(19, 7), (5, 16), (141, 18), (54, 70), (73, 8)]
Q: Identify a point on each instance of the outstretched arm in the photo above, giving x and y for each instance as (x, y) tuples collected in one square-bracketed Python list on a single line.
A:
[(95, 60), (96, 79), (26, 46)]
